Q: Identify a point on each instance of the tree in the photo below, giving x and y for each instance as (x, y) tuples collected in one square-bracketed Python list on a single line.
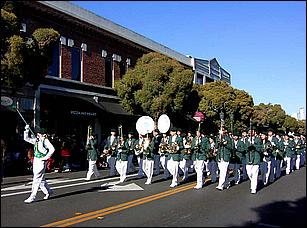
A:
[(23, 59), (156, 85), (269, 116), (290, 124), (219, 96)]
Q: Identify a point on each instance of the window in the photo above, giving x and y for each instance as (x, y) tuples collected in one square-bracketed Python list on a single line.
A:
[(53, 69), (122, 67), (199, 79), (109, 70), (75, 63)]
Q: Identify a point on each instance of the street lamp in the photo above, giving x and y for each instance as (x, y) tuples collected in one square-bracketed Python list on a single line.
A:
[(222, 116), (231, 122)]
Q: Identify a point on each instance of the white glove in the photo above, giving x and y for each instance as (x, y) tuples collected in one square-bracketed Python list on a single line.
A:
[(273, 144), (27, 127)]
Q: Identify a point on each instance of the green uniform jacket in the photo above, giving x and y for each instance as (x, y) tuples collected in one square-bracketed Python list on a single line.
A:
[(92, 152), (136, 143), (114, 144), (298, 146), (278, 150), (176, 156), (267, 150), (288, 148), (201, 151), (185, 155), (122, 153), (224, 150), (156, 141), (238, 152), (130, 149), (149, 152), (253, 154)]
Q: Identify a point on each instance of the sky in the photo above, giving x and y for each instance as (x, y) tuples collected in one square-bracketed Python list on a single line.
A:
[(262, 44)]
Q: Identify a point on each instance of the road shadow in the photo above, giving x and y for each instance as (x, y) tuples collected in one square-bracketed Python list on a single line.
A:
[(280, 214)]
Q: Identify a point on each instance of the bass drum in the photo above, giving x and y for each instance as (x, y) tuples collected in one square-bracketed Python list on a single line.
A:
[(145, 125), (164, 123)]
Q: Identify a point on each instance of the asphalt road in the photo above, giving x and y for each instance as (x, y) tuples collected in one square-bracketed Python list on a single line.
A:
[(101, 202)]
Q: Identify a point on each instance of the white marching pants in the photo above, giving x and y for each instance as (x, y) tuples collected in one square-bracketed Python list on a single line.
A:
[(156, 164), (212, 167), (111, 161), (148, 166), (130, 166), (252, 172), (288, 164), (297, 161), (92, 169), (163, 161), (173, 167), (39, 167), (199, 168), (183, 165), (121, 167), (223, 167), (265, 167), (140, 162)]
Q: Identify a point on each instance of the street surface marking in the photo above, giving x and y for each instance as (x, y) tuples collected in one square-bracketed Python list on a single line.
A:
[(66, 186), (120, 207), (117, 188)]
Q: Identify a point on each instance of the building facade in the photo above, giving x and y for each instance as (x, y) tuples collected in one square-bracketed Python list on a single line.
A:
[(209, 71), (92, 53)]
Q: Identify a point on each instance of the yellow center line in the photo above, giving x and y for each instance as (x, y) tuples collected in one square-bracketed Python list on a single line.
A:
[(112, 209)]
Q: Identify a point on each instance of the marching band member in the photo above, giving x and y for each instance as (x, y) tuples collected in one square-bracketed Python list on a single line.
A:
[(278, 152), (212, 165), (265, 164), (200, 147), (138, 150), (163, 151), (243, 159), (43, 150), (303, 151), (274, 142), (92, 156), (110, 151), (184, 157), (157, 139), (148, 157), (288, 153), (224, 146), (176, 145), (253, 160), (298, 150), (237, 151), (129, 145), (121, 159)]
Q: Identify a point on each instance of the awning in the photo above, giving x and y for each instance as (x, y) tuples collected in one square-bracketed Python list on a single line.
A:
[(106, 105)]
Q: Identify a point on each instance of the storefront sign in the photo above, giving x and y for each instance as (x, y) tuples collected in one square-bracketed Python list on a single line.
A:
[(78, 113), (6, 101)]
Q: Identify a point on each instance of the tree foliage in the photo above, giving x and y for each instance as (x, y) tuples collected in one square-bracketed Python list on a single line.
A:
[(219, 96), (269, 116), (23, 59), (156, 85)]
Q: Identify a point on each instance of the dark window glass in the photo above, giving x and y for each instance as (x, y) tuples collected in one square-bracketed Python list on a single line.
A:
[(75, 64), (108, 71), (53, 69), (122, 67), (199, 79)]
